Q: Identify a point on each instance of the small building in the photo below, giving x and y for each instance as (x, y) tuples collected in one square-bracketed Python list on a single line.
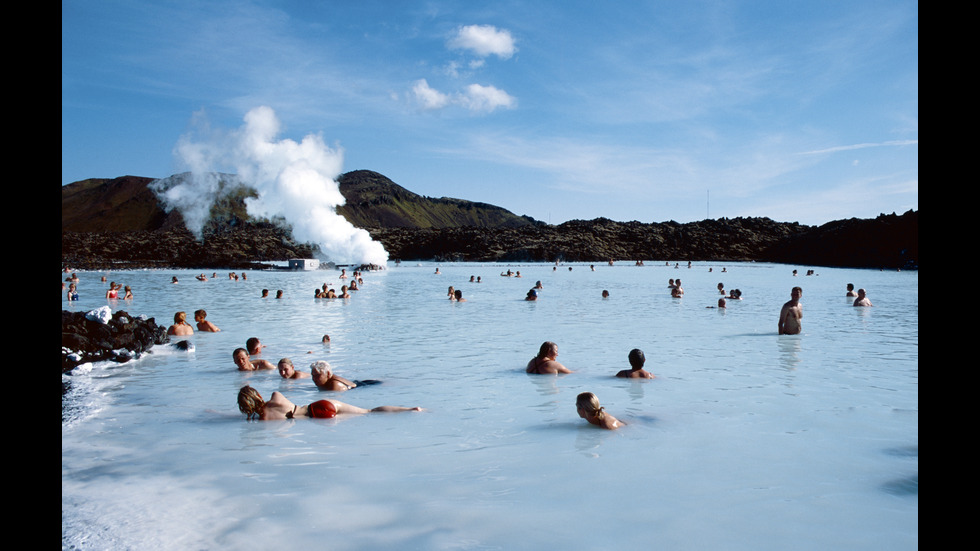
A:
[(304, 264)]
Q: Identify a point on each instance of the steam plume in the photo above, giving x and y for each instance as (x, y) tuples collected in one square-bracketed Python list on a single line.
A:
[(295, 181)]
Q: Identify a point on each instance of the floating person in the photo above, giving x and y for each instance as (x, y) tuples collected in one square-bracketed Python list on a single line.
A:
[(721, 303), (287, 371), (589, 409), (545, 363), (203, 324), (245, 363), (636, 371), (862, 299), (325, 379), (250, 403), (791, 314), (180, 327)]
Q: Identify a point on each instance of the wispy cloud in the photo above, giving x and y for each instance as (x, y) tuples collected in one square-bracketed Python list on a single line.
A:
[(891, 143)]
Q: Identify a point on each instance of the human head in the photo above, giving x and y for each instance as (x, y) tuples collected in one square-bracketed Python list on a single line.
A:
[(637, 359), (548, 349), (279, 293), (250, 402), (588, 405), (722, 303), (240, 357), (200, 314), (850, 286), (286, 368), (605, 293), (320, 370), (458, 294), (265, 293), (797, 292), (325, 339), (861, 293), (180, 317), (253, 345)]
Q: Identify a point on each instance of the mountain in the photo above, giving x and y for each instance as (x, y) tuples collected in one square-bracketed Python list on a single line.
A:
[(120, 223), (374, 201), (128, 204)]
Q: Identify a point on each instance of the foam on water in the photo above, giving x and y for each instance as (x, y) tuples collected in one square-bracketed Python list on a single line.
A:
[(745, 440)]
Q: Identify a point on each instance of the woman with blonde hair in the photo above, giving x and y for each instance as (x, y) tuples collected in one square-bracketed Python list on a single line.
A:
[(250, 403), (590, 410), (180, 327)]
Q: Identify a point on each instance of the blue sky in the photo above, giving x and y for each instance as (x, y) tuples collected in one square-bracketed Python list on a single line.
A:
[(643, 110)]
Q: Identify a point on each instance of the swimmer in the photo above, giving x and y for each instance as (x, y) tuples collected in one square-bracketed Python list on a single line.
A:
[(265, 293), (325, 379), (72, 292), (861, 299), (287, 371), (173, 280), (245, 363), (113, 291), (180, 327), (791, 314), (545, 362), (636, 371), (677, 291), (538, 285), (325, 339), (250, 403), (279, 293), (452, 293), (850, 290), (589, 409), (531, 295), (254, 346), (343, 292), (203, 324), (721, 288), (128, 293), (605, 293), (459, 296)]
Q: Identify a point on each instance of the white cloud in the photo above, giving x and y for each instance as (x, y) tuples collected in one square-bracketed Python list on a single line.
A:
[(484, 40), (486, 98), (429, 98), (475, 97)]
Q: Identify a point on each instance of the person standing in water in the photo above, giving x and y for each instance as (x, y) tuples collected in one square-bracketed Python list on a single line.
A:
[(791, 314), (862, 299), (545, 362), (637, 359)]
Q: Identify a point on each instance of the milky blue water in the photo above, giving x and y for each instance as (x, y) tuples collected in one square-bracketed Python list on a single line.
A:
[(744, 440)]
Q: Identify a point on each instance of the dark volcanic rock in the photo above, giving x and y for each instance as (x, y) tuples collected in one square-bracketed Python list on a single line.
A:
[(119, 224), (85, 338)]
